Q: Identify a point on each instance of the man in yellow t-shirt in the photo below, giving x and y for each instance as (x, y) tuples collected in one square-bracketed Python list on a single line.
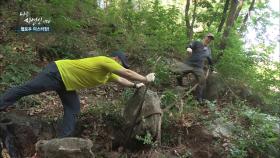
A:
[(67, 76)]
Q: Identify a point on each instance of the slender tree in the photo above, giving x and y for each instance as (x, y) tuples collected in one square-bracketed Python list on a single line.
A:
[(240, 5), (229, 23), (251, 8), (223, 16), (187, 18), (190, 23), (193, 19)]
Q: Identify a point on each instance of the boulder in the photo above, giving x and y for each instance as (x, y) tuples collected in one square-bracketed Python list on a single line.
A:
[(143, 114), (214, 86), (66, 147), (20, 132), (222, 128)]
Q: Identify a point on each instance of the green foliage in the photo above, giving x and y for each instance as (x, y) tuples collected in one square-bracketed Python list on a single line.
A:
[(126, 95), (168, 98), (254, 131), (262, 134), (235, 63), (162, 70), (105, 108), (19, 65), (209, 14), (69, 23), (147, 139), (151, 28), (165, 31), (64, 15), (251, 68)]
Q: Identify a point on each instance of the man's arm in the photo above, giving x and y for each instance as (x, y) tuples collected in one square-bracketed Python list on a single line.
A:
[(191, 47), (132, 75), (115, 68), (124, 82), (127, 83)]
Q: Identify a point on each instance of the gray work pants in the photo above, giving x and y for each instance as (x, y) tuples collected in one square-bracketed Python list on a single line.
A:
[(183, 68), (48, 80)]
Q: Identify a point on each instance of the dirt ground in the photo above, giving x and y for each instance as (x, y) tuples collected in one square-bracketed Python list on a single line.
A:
[(185, 138)]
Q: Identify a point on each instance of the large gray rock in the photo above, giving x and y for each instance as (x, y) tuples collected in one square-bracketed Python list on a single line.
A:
[(215, 86), (222, 128), (146, 118), (65, 147), (20, 132)]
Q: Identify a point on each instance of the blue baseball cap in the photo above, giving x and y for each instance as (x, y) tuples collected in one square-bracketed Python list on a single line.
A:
[(122, 57)]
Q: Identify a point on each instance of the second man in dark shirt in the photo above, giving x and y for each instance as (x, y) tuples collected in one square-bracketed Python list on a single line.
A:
[(199, 52)]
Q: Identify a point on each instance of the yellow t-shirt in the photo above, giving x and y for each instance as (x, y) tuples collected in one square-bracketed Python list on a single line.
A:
[(87, 72)]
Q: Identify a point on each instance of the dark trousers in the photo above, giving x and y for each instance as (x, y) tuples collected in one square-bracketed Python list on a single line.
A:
[(48, 80), (184, 68)]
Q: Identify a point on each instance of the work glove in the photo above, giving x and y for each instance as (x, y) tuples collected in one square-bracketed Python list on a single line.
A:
[(138, 85), (150, 77), (189, 50)]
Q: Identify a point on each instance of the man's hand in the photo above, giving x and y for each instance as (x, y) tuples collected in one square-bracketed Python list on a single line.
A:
[(189, 50), (138, 85), (150, 77)]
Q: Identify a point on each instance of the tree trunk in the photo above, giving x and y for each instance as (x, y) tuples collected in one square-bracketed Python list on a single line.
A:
[(210, 22), (244, 27), (193, 19), (229, 24), (95, 4), (190, 23), (223, 16), (187, 19), (239, 9)]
